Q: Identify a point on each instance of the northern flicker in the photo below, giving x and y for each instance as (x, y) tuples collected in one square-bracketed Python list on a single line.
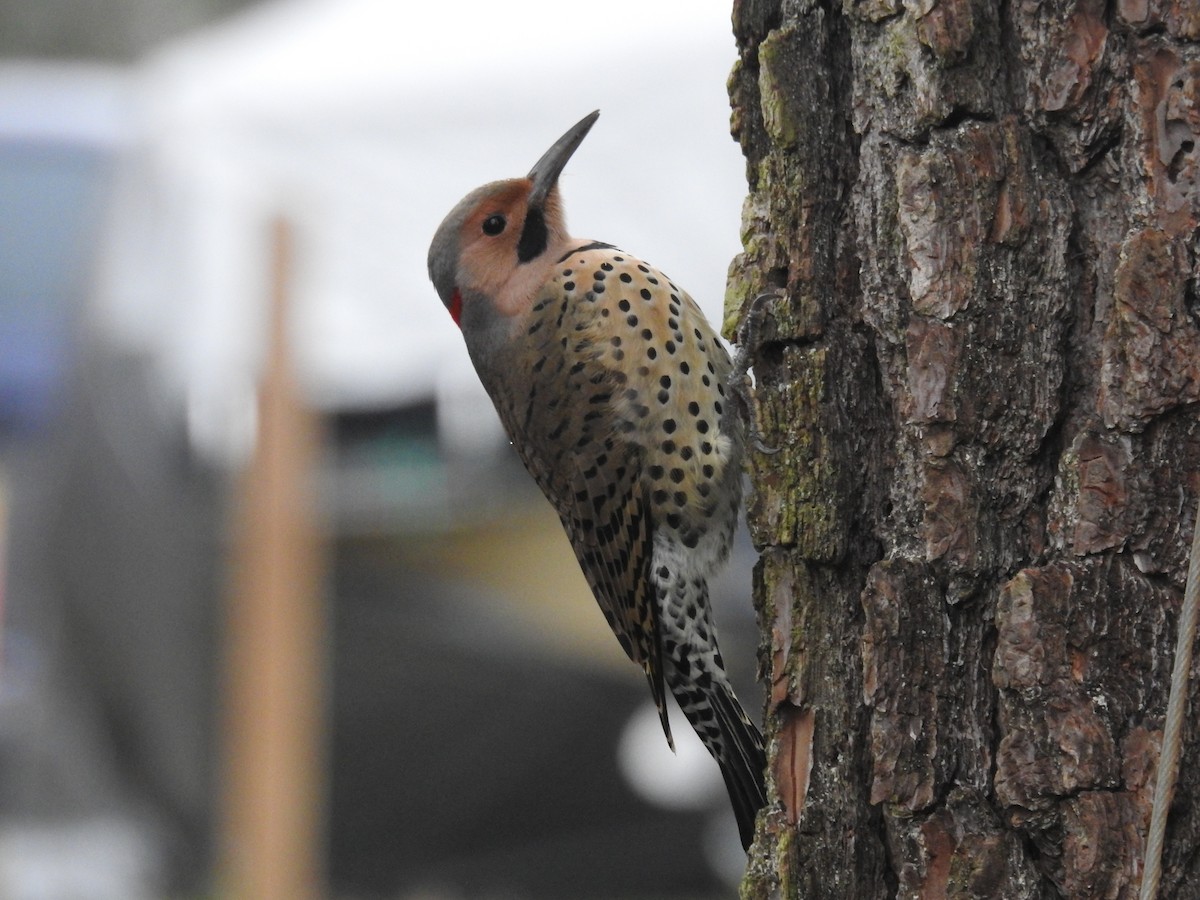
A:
[(612, 386)]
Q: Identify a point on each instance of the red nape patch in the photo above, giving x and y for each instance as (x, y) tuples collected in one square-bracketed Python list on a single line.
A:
[(456, 308)]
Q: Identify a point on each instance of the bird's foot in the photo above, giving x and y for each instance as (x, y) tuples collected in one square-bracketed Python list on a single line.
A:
[(741, 386)]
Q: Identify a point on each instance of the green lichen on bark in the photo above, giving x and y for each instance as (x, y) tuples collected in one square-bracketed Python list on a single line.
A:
[(778, 61), (796, 502)]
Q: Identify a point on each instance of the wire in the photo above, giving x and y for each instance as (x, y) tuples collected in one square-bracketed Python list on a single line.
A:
[(1168, 761)]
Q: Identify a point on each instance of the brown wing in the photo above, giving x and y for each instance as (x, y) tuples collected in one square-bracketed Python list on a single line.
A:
[(594, 481), (607, 521), (565, 424)]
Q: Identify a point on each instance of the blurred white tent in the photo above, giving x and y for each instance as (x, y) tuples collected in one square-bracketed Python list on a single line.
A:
[(364, 121)]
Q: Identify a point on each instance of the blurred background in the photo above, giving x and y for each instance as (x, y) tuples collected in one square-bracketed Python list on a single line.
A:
[(281, 614)]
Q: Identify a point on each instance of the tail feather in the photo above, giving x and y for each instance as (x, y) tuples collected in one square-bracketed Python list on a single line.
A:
[(654, 676), (742, 760), (696, 677)]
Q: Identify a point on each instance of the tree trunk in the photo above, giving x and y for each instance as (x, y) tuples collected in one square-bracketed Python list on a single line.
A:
[(981, 380)]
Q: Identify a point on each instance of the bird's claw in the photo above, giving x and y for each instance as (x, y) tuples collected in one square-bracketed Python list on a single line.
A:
[(740, 384)]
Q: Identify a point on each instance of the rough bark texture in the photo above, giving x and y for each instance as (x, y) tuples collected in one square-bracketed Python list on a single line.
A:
[(981, 379)]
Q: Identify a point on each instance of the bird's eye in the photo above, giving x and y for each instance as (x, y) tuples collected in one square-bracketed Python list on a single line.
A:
[(493, 225)]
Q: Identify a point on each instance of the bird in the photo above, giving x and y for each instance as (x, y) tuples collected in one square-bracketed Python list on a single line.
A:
[(613, 389)]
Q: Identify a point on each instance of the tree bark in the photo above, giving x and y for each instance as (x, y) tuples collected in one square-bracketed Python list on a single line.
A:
[(981, 380)]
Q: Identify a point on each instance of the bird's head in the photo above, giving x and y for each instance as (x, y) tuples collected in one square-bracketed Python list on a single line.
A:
[(495, 248)]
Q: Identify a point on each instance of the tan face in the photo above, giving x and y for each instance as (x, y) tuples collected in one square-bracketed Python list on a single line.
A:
[(489, 238)]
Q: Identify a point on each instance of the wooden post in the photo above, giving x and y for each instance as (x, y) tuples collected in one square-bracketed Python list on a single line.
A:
[(272, 841)]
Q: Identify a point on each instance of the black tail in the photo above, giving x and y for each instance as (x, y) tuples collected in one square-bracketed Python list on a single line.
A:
[(741, 758)]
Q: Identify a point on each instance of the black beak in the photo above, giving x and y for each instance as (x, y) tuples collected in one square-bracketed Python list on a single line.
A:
[(546, 170)]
